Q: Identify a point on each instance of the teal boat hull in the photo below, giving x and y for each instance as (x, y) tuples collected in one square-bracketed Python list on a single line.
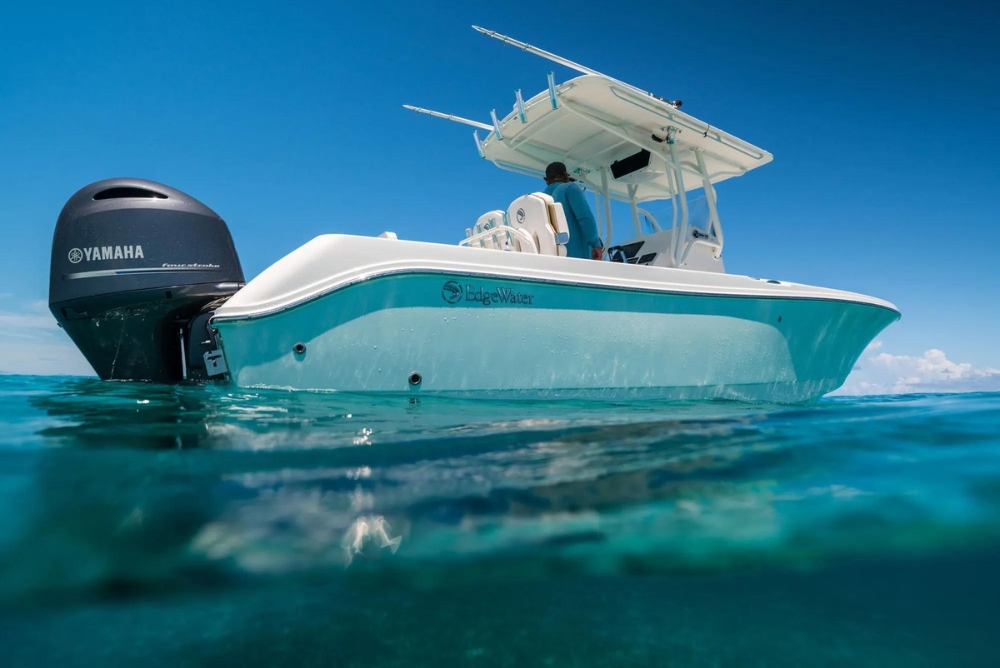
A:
[(432, 332)]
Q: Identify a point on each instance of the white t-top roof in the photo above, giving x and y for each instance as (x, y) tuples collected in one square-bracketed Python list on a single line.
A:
[(598, 120)]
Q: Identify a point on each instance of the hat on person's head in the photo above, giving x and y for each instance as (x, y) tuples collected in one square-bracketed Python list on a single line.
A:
[(556, 169)]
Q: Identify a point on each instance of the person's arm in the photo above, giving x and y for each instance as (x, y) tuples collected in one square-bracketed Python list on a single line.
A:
[(588, 224)]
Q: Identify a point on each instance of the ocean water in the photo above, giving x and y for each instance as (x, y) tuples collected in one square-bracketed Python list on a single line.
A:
[(195, 525)]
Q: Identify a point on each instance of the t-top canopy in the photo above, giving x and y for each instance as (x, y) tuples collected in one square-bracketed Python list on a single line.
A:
[(621, 141), (594, 123)]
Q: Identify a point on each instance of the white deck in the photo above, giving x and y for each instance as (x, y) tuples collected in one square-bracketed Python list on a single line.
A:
[(333, 261), (364, 314)]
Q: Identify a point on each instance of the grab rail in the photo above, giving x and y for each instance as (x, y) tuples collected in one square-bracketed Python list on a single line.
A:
[(523, 236), (650, 217)]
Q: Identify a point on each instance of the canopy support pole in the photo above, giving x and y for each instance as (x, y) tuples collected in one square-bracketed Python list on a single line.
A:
[(635, 209), (673, 191), (607, 203), (598, 211), (714, 224), (680, 237)]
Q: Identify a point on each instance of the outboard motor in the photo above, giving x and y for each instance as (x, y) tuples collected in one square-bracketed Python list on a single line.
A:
[(137, 269)]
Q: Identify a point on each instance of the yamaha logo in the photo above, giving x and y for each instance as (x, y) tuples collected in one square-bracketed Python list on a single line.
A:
[(94, 253), (520, 215), (451, 292)]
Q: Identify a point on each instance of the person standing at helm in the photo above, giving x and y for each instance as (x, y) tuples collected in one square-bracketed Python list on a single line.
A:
[(584, 239)]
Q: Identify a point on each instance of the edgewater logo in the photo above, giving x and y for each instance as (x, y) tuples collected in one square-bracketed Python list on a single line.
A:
[(452, 292)]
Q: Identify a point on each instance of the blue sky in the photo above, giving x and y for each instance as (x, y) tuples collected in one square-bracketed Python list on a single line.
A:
[(285, 118)]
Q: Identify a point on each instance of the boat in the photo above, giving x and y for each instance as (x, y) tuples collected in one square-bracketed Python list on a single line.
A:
[(147, 282)]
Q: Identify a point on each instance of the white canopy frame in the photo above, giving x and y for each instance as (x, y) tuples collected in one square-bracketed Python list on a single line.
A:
[(589, 121)]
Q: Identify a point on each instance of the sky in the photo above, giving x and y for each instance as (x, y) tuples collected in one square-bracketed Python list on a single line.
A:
[(286, 119)]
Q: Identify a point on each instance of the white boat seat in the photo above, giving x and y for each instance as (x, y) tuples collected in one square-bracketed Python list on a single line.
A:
[(489, 221), (557, 218), (543, 219)]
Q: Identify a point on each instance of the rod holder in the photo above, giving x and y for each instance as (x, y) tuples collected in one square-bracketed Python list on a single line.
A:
[(520, 106), (552, 90), (496, 124), (479, 144)]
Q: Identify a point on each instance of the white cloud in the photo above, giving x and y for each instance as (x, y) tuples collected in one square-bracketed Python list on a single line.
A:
[(32, 343), (884, 373), (32, 318)]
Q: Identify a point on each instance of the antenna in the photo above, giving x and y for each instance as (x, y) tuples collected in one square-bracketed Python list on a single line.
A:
[(449, 117), (563, 61), (538, 52)]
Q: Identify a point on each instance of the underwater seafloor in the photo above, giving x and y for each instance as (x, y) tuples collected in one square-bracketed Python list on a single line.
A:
[(150, 526)]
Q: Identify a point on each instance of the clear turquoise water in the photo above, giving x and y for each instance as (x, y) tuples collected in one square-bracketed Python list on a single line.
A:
[(201, 526)]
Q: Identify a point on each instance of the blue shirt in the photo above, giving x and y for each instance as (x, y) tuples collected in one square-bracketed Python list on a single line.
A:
[(583, 234)]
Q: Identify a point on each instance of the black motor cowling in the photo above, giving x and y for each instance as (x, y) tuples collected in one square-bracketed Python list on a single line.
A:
[(136, 268)]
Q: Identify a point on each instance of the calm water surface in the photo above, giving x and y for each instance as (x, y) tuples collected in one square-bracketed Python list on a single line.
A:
[(199, 526)]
